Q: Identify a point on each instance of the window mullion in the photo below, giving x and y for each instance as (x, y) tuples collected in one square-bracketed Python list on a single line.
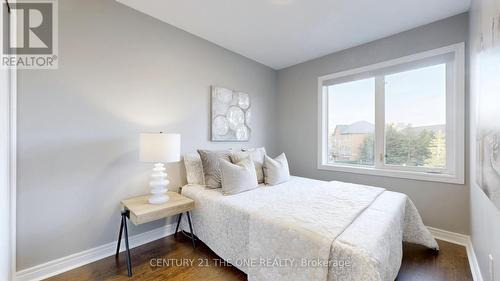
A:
[(324, 124), (379, 122)]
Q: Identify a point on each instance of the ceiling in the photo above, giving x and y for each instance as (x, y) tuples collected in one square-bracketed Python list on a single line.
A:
[(280, 33)]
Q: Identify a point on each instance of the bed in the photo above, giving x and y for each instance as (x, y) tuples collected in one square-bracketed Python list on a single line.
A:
[(307, 229)]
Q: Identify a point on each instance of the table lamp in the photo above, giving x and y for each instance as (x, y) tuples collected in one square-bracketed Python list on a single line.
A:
[(159, 148)]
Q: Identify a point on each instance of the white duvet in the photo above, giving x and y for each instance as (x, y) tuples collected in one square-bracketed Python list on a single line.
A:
[(306, 229)]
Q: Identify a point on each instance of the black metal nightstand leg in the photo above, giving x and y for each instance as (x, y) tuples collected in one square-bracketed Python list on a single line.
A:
[(119, 238), (123, 228), (191, 229), (129, 261), (178, 223)]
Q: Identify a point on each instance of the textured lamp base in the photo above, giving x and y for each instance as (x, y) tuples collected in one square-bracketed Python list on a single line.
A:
[(158, 199), (158, 185)]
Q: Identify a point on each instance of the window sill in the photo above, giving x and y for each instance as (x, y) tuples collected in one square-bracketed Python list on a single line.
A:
[(423, 176)]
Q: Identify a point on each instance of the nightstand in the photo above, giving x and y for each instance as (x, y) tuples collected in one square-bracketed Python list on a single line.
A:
[(139, 211)]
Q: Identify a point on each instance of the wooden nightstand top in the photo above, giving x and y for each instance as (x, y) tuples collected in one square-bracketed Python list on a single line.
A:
[(141, 211)]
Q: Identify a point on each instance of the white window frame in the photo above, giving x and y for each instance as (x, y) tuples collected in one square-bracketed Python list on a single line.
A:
[(455, 122), (8, 144)]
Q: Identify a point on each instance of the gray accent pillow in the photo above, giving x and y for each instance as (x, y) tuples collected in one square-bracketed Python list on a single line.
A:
[(194, 169), (257, 156), (239, 177), (276, 170), (210, 160)]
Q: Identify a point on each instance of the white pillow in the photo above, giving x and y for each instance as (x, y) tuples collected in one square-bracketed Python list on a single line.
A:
[(239, 177), (276, 170), (194, 169), (257, 156)]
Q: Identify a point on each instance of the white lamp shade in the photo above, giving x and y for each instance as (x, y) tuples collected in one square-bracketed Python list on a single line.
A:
[(160, 147)]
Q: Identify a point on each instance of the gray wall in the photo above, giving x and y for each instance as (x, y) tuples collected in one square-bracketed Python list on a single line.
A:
[(120, 73), (441, 205), (485, 217)]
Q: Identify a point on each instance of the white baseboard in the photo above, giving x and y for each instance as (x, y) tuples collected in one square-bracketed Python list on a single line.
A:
[(463, 240), (63, 264)]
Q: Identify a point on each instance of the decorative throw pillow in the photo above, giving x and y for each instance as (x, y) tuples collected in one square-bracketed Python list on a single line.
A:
[(257, 156), (239, 177), (210, 159), (194, 169), (276, 170)]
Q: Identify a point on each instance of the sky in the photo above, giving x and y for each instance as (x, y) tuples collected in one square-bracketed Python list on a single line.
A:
[(416, 97)]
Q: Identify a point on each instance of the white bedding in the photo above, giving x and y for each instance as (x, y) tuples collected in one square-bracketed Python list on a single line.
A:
[(269, 232)]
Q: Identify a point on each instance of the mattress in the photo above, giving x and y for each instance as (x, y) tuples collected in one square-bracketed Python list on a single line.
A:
[(372, 242)]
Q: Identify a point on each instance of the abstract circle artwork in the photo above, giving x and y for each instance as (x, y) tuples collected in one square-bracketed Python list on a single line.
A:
[(231, 112)]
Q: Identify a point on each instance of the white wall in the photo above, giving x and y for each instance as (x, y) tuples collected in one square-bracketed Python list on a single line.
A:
[(120, 73), (441, 205), (485, 217)]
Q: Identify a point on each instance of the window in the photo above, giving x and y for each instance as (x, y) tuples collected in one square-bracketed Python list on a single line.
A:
[(400, 118), (415, 118), (351, 119)]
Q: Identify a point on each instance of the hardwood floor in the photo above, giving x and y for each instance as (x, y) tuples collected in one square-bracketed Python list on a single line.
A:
[(419, 263)]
